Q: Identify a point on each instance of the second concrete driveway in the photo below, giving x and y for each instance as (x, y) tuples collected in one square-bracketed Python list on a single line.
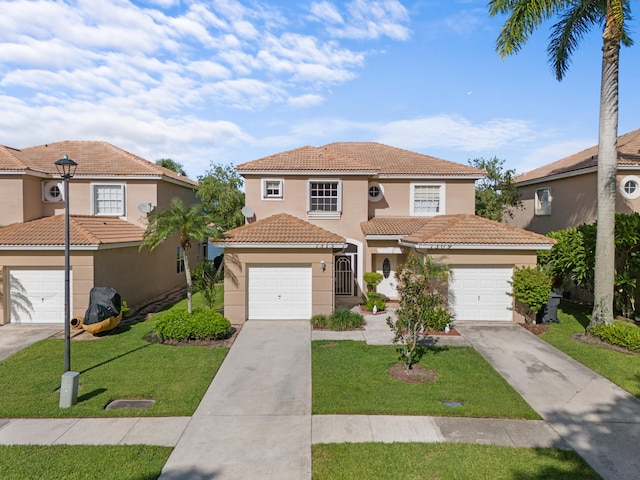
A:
[(14, 338), (255, 419), (598, 419)]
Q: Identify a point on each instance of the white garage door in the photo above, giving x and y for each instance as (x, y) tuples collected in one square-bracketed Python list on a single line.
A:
[(280, 293), (481, 293), (36, 296)]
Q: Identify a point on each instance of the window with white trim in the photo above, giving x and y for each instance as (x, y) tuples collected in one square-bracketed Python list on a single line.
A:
[(543, 201), (273, 188), (630, 187), (324, 198), (108, 199), (427, 199), (376, 192)]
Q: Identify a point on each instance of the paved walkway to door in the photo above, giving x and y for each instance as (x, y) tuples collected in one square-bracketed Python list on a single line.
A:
[(598, 419)]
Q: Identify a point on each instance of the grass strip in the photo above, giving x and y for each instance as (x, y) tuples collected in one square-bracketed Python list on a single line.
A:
[(445, 461), (353, 378), (73, 462), (620, 368)]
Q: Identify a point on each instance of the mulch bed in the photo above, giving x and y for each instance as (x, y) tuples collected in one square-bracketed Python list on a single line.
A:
[(535, 328), (416, 374), (592, 340)]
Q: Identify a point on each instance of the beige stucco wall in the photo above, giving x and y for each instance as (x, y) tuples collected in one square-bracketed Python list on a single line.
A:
[(11, 195), (82, 274), (237, 262), (574, 202)]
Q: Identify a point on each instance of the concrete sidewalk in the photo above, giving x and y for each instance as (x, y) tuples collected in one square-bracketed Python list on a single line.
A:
[(598, 419)]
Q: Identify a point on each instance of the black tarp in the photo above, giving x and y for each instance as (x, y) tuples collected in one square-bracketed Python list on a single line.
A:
[(104, 302)]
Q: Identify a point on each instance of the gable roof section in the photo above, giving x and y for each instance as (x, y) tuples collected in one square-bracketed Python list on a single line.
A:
[(587, 160), (367, 158), (94, 159), (85, 231), (281, 230), (394, 161), (307, 159), (472, 231), (392, 226)]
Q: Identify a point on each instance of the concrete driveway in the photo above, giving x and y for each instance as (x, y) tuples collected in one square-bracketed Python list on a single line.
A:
[(14, 338)]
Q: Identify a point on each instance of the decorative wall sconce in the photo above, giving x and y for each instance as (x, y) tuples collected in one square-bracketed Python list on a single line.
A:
[(323, 265)]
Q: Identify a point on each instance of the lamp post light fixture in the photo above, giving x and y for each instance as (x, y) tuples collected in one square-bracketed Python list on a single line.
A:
[(69, 387)]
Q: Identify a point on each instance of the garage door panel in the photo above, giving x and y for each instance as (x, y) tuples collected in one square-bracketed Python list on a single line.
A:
[(279, 293), (36, 296), (478, 293)]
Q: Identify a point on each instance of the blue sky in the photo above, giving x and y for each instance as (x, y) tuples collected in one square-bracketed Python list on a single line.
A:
[(230, 81)]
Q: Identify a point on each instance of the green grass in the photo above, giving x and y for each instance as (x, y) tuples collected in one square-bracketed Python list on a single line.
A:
[(73, 462), (353, 378), (198, 301), (119, 365), (441, 461), (621, 368)]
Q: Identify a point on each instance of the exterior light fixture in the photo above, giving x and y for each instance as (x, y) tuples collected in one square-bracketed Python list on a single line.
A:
[(323, 265)]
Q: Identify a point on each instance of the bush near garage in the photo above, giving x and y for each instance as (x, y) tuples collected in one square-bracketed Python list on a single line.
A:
[(340, 319), (177, 324), (620, 334)]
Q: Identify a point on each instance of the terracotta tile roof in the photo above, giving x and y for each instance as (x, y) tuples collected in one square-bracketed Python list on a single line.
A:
[(281, 228), (396, 161), (628, 155), (393, 225), (306, 159), (83, 230), (93, 158), (359, 156), (465, 229)]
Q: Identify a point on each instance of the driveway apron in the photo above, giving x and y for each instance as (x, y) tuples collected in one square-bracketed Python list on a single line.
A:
[(254, 421), (598, 419), (15, 337)]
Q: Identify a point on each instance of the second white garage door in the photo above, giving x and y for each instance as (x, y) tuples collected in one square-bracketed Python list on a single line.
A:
[(481, 293), (36, 296), (279, 293)]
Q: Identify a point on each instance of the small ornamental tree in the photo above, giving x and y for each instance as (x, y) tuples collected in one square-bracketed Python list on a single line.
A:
[(422, 287), (531, 287), (372, 279)]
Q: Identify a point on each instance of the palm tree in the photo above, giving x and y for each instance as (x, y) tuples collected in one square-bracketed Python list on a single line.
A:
[(576, 18), (188, 223)]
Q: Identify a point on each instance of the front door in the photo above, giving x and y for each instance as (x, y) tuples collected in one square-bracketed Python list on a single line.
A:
[(387, 265)]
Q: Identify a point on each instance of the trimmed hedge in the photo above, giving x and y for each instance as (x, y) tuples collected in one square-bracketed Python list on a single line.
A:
[(620, 334), (340, 319), (376, 299), (177, 324)]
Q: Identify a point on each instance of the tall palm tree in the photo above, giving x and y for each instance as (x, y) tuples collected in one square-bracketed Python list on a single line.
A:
[(188, 223), (576, 18)]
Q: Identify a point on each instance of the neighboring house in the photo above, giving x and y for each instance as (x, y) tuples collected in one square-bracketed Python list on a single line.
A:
[(318, 218), (563, 194), (108, 197)]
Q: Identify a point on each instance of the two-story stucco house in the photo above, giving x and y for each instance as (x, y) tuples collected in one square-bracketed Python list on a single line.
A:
[(563, 194), (106, 228), (319, 218)]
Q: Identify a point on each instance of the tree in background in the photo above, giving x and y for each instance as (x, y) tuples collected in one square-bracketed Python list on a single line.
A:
[(222, 197), (496, 193), (172, 165), (189, 224), (576, 18)]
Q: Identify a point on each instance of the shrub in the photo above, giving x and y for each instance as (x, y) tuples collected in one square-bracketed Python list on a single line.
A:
[(205, 277), (374, 298), (340, 319), (177, 324), (620, 334), (531, 287)]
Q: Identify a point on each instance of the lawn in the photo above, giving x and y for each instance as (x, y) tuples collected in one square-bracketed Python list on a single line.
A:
[(119, 365), (441, 461), (353, 378), (72, 462), (621, 368)]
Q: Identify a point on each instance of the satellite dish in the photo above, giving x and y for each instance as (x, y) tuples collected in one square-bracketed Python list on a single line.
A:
[(146, 207), (247, 211)]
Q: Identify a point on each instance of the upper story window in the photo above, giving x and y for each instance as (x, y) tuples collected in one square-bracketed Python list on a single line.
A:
[(543, 201), (630, 187), (427, 199), (273, 188), (376, 192), (108, 199), (325, 198)]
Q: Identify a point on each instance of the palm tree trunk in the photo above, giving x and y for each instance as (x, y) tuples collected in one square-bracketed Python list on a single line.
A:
[(187, 273), (604, 274)]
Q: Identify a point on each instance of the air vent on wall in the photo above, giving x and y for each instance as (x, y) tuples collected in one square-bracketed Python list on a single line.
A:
[(52, 191)]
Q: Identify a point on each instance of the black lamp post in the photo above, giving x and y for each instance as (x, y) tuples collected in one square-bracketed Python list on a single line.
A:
[(67, 169)]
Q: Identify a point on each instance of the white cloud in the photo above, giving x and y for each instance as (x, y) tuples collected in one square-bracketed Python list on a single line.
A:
[(548, 153), (326, 12), (304, 101)]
